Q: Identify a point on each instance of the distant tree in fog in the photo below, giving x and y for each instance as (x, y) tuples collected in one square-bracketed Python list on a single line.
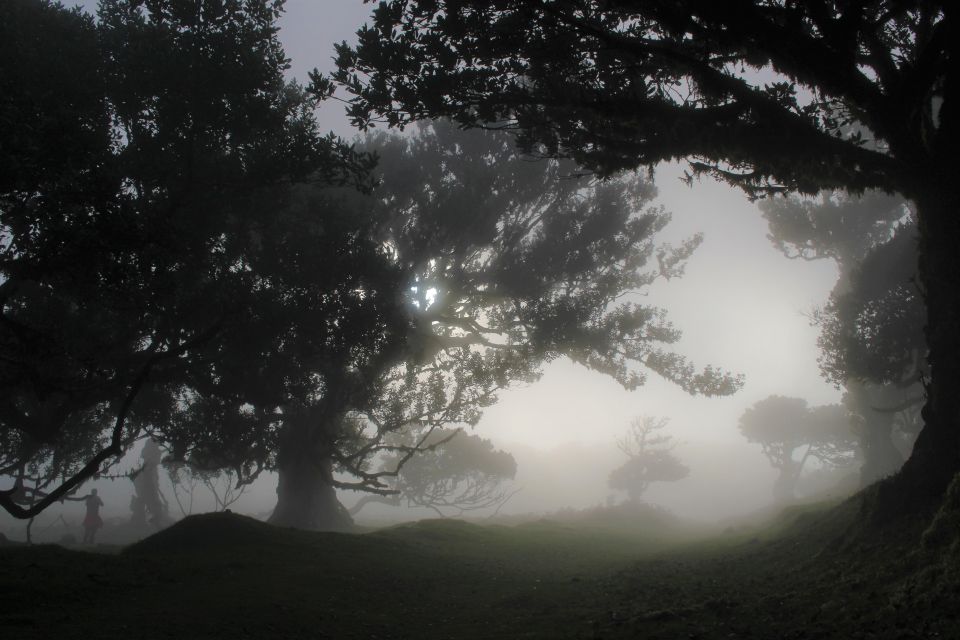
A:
[(650, 458), (791, 433), (456, 472), (871, 329)]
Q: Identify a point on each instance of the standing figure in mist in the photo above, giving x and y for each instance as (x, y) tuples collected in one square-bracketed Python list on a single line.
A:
[(146, 484), (92, 521)]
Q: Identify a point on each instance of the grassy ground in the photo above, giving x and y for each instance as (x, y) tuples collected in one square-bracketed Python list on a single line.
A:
[(609, 575)]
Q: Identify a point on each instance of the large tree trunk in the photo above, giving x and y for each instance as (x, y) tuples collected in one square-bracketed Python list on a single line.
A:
[(785, 486), (306, 498), (936, 455), (881, 458)]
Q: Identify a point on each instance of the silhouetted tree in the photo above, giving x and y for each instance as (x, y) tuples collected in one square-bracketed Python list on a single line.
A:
[(872, 334), (871, 338), (791, 433), (143, 159), (58, 366), (457, 472), (650, 458), (186, 270), (505, 265), (314, 341), (767, 96)]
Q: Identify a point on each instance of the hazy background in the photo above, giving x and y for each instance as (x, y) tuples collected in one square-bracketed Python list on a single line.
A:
[(742, 306)]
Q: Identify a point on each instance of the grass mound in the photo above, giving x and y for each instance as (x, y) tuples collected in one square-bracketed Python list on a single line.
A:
[(641, 517), (439, 532), (585, 574), (943, 534), (619, 523), (813, 571), (935, 588), (213, 531), (626, 521)]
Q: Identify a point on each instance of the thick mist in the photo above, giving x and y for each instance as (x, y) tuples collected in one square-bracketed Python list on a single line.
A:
[(584, 320), (740, 304)]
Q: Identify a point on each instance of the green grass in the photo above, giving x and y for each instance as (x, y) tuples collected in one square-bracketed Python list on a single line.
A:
[(604, 574)]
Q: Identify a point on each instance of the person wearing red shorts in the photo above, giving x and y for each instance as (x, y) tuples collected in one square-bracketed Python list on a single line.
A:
[(92, 521)]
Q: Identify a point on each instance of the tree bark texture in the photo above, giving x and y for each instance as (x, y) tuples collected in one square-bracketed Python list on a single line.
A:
[(306, 497), (881, 458), (935, 460)]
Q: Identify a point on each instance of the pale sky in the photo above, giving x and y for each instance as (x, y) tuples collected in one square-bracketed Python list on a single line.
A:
[(741, 305)]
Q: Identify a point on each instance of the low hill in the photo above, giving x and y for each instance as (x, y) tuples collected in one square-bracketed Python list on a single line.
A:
[(225, 576), (216, 532)]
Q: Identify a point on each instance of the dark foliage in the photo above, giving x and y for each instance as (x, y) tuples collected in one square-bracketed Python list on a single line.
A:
[(871, 338), (182, 263), (767, 96), (506, 265), (145, 158), (456, 473)]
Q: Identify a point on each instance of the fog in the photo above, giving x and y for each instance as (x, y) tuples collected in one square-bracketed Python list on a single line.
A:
[(741, 306), (584, 320)]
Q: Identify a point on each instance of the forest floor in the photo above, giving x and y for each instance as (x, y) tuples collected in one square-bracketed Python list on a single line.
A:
[(602, 575)]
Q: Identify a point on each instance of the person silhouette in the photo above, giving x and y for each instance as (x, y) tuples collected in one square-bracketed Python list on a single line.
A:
[(92, 521)]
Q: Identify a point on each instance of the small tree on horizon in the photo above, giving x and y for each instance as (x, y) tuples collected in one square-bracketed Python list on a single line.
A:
[(650, 458), (791, 433)]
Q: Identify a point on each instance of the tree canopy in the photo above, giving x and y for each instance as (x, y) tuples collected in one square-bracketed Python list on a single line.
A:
[(617, 85), (456, 473), (834, 225), (871, 328), (503, 265), (650, 458), (145, 157), (525, 257), (204, 267), (766, 96), (791, 433), (871, 339)]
